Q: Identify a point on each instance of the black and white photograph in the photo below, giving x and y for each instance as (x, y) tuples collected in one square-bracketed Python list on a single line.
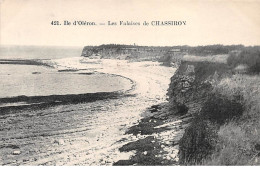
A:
[(129, 83)]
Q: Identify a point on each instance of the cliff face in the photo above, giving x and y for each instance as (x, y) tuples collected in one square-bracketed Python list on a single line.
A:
[(191, 93), (128, 52), (191, 85)]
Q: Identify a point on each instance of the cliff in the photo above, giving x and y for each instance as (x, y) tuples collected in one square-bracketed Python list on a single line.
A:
[(155, 52), (223, 100), (124, 52), (189, 123), (192, 84), (167, 55), (192, 93)]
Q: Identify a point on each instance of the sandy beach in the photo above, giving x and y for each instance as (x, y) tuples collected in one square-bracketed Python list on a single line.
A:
[(85, 133)]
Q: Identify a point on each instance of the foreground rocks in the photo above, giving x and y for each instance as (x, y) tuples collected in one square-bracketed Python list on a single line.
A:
[(184, 130), (158, 135)]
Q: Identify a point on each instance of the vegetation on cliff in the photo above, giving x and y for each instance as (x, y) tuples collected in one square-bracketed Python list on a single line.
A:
[(225, 126), (218, 89), (166, 54), (250, 57), (200, 138), (239, 140)]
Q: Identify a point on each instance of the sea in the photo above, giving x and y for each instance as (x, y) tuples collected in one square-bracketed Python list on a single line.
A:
[(38, 52), (47, 78)]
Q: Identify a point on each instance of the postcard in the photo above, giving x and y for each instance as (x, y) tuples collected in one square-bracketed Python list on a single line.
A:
[(129, 83)]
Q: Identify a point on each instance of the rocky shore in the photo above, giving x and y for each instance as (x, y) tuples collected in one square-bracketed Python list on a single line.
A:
[(158, 133), (183, 130)]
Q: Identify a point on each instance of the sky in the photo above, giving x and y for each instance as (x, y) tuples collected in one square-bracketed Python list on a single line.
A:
[(28, 22)]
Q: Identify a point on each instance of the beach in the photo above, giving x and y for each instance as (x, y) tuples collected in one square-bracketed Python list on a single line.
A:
[(84, 133)]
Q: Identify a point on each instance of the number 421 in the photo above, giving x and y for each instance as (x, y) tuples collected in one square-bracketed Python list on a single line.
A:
[(55, 23)]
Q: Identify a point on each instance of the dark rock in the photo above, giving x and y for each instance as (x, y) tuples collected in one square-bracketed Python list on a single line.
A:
[(257, 147), (36, 72)]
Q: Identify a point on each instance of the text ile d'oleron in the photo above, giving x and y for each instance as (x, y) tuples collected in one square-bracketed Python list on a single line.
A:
[(120, 23)]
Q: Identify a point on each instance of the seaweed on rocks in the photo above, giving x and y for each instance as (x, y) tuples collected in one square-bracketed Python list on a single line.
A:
[(149, 148), (146, 126), (38, 102), (147, 151)]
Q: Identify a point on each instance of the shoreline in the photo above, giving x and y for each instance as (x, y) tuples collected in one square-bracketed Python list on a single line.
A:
[(40, 101), (100, 124), (133, 83)]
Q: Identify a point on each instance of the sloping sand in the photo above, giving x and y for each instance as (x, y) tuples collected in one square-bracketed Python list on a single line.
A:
[(87, 133)]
